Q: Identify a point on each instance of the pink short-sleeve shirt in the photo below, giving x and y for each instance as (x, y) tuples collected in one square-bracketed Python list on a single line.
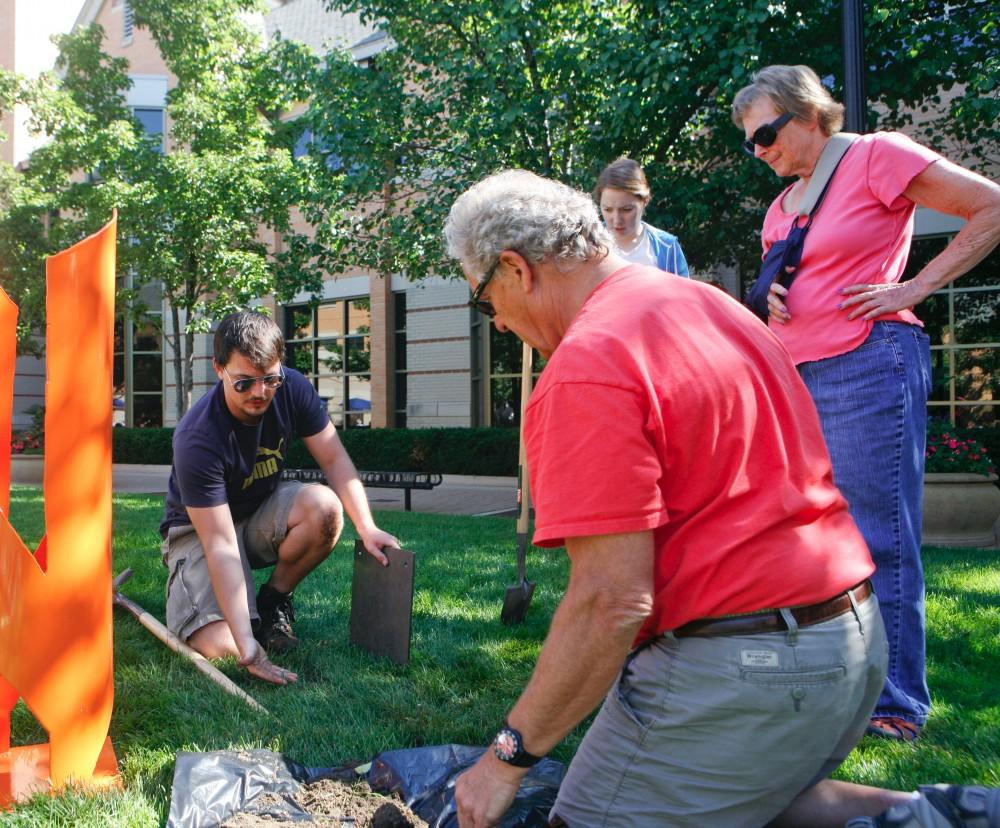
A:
[(860, 235)]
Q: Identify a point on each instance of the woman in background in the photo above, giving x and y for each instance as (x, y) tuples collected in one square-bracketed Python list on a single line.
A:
[(623, 193), (847, 321)]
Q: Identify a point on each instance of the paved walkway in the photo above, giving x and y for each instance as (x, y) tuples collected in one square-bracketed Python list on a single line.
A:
[(457, 494)]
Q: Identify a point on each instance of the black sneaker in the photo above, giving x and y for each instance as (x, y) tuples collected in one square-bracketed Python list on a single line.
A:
[(274, 630)]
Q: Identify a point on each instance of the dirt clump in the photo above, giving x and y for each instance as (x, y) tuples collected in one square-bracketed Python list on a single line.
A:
[(335, 804)]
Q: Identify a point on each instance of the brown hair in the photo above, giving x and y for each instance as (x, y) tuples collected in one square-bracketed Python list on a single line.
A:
[(795, 89), (254, 335), (623, 174)]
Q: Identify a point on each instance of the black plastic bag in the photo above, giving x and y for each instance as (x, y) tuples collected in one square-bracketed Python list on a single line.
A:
[(210, 788), (424, 778)]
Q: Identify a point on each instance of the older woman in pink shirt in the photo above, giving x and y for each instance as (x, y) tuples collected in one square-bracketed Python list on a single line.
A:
[(847, 319)]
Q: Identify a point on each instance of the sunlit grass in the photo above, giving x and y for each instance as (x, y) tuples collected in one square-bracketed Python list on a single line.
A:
[(466, 668)]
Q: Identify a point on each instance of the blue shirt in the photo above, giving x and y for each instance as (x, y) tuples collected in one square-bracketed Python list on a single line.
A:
[(218, 459), (667, 250)]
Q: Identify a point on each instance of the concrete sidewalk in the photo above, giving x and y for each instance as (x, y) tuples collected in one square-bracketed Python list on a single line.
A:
[(457, 494)]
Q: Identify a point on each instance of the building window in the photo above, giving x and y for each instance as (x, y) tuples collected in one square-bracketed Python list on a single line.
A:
[(331, 345), (152, 121), (399, 353), (307, 143), (137, 399), (496, 357), (477, 362), (128, 23), (963, 322)]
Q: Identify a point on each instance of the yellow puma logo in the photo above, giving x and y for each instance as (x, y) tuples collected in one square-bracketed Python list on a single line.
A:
[(275, 452), (267, 466)]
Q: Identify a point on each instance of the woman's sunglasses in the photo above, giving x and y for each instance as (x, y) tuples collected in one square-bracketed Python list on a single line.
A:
[(766, 134)]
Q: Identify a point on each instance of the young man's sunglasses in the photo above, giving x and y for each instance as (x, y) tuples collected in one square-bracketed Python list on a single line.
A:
[(765, 134), (241, 386)]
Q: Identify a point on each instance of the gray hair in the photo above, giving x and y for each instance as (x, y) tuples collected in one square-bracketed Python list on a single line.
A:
[(517, 210), (795, 89)]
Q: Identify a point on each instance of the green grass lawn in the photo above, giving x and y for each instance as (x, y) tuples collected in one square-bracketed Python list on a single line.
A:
[(466, 668)]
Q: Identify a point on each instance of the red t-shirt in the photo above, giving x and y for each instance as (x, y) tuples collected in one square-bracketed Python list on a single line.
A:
[(669, 407), (861, 234)]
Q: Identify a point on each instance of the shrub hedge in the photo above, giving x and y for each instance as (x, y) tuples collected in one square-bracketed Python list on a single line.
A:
[(490, 451), (150, 446)]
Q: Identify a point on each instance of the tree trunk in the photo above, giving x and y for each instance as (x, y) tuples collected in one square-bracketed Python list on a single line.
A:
[(188, 368), (175, 343)]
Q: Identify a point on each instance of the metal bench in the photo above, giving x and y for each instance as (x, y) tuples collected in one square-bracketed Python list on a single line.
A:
[(406, 480)]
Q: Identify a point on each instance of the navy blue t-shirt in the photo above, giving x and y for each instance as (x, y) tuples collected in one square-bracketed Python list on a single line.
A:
[(218, 459)]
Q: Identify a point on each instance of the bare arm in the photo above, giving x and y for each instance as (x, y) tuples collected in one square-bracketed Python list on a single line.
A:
[(608, 598), (332, 458), (214, 525), (951, 189)]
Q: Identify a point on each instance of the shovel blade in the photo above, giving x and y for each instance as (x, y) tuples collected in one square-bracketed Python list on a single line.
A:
[(515, 602)]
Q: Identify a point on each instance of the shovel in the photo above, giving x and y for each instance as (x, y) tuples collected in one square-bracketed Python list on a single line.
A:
[(518, 596)]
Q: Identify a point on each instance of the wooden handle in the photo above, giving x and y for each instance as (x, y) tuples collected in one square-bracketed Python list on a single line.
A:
[(524, 491), (178, 646)]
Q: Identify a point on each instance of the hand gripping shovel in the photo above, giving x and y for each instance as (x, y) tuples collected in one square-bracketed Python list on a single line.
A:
[(518, 596)]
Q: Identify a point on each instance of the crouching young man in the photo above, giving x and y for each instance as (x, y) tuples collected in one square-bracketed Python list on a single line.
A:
[(228, 512)]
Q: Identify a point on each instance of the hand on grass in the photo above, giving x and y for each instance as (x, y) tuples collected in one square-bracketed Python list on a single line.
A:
[(258, 665)]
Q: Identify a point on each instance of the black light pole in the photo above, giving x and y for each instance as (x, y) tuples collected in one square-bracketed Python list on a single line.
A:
[(856, 114)]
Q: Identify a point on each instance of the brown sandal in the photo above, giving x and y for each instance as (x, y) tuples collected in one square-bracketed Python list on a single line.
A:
[(892, 727)]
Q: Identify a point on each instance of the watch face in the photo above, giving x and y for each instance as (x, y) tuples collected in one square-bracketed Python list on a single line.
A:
[(506, 746)]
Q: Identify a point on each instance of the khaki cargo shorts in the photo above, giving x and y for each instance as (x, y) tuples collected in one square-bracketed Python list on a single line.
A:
[(191, 602), (725, 732)]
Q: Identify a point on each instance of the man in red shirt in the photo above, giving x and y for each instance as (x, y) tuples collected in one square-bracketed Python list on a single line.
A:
[(676, 454)]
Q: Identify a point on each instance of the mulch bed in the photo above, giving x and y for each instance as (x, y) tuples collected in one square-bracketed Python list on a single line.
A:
[(336, 804)]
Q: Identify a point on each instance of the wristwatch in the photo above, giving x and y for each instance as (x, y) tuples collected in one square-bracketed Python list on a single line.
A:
[(508, 746)]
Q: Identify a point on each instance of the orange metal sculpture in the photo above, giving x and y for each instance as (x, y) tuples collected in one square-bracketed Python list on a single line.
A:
[(55, 605)]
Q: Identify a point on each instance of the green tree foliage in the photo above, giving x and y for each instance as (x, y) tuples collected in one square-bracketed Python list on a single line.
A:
[(22, 240), (561, 87), (51, 205), (466, 89), (199, 221)]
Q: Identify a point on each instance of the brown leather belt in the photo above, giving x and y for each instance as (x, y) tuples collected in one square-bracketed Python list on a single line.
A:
[(771, 620)]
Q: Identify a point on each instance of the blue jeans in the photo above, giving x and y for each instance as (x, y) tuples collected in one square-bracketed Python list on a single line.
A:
[(872, 404)]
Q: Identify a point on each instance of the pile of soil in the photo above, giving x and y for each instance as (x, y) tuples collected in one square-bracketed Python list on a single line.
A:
[(335, 804)]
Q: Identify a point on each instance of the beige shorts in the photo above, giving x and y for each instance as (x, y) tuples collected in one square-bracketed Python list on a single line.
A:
[(191, 602), (725, 732)]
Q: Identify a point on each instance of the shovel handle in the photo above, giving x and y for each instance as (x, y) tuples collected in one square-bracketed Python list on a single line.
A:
[(523, 486)]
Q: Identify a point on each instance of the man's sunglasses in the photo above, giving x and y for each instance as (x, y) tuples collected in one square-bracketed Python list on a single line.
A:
[(482, 305), (765, 134), (241, 386)]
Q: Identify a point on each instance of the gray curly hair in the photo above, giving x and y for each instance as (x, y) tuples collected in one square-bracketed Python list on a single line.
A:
[(517, 210)]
